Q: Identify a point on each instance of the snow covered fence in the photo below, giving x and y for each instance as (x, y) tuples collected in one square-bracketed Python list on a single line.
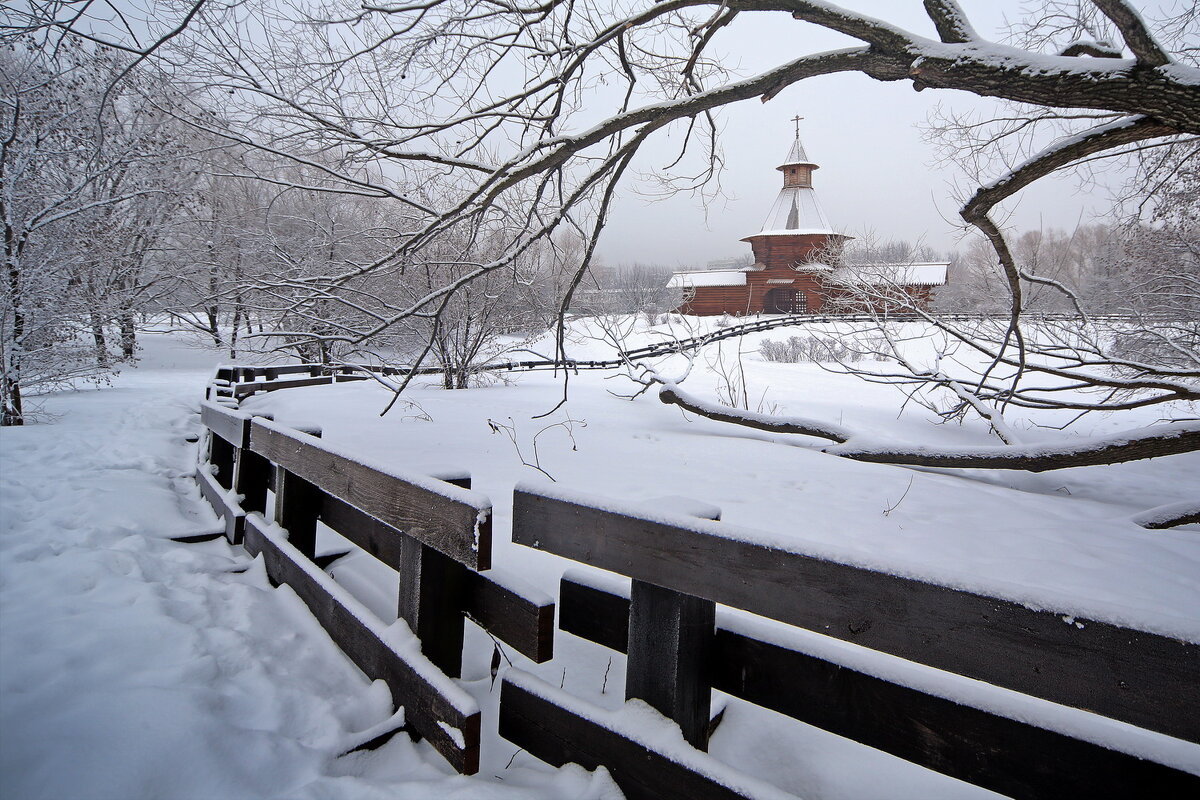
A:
[(433, 531), (233, 382), (678, 648)]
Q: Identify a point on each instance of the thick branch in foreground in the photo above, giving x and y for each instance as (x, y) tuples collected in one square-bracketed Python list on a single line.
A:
[(1170, 516), (1135, 445)]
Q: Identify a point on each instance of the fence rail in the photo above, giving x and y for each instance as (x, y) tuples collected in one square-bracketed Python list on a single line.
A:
[(680, 568), (435, 533), (237, 381), (678, 565)]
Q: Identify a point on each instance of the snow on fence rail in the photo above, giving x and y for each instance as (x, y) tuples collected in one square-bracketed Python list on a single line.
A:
[(437, 535), (681, 568), (434, 532)]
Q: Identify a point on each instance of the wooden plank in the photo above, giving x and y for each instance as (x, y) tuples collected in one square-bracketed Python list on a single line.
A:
[(449, 520), (561, 735), (378, 538), (218, 497), (232, 426), (521, 617), (1134, 676), (430, 600), (221, 460), (425, 703), (297, 509), (524, 622), (253, 480), (670, 650), (594, 614), (998, 753), (243, 389)]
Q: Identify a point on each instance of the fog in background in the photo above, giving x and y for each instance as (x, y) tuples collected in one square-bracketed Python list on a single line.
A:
[(876, 171)]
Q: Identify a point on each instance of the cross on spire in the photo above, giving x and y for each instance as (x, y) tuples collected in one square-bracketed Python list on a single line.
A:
[(796, 119)]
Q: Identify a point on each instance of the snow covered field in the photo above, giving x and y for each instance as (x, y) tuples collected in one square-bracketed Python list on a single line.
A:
[(135, 667)]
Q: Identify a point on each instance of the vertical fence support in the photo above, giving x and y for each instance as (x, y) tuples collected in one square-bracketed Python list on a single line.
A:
[(432, 594), (253, 476), (297, 506), (432, 587), (670, 646), (220, 455)]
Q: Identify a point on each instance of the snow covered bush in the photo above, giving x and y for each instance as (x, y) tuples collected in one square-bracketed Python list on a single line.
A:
[(797, 349)]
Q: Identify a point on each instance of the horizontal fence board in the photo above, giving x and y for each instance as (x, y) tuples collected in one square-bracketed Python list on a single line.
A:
[(1134, 676), (525, 623), (232, 426), (559, 736), (219, 498), (424, 705), (988, 750), (456, 528), (378, 538), (243, 389)]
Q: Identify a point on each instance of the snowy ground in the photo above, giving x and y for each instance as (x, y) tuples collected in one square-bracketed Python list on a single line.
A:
[(134, 667)]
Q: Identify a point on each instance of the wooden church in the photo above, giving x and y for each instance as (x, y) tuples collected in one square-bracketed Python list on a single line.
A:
[(797, 257)]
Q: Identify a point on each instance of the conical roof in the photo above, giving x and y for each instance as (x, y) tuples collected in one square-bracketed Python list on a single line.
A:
[(796, 210), (797, 157)]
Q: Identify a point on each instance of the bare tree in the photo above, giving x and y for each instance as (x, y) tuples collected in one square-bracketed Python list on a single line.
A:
[(86, 180), (499, 105)]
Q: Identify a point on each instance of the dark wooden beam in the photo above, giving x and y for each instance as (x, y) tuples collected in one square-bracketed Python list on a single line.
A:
[(670, 650), (1010, 757), (457, 526), (1133, 676), (432, 588), (520, 616), (523, 620), (561, 735), (427, 705)]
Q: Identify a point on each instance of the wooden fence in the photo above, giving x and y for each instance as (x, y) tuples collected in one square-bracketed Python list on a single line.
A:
[(437, 534)]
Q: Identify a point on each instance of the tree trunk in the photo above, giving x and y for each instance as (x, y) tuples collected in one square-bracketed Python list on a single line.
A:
[(128, 334), (99, 341), (233, 332), (213, 321), (13, 411)]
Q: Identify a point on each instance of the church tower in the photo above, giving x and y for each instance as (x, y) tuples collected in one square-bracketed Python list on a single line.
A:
[(797, 256), (796, 233)]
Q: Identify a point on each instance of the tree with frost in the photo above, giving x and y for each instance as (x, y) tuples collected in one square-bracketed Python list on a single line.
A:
[(87, 177), (540, 109)]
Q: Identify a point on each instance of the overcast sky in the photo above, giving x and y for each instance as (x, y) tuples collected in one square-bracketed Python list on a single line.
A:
[(876, 172)]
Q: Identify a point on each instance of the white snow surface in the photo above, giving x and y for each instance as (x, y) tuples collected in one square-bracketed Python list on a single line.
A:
[(712, 277), (133, 667), (136, 668)]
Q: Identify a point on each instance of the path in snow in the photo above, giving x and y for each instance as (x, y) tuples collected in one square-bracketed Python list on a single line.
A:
[(136, 667)]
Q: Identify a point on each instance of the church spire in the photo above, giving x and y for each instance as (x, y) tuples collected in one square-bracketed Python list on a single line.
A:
[(797, 169), (796, 210)]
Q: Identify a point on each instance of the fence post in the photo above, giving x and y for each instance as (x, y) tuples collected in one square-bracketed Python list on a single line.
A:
[(220, 455), (670, 647), (297, 505), (253, 477), (670, 642), (431, 602)]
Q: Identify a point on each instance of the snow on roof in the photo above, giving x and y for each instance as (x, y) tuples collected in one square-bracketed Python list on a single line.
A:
[(796, 211), (927, 273), (797, 155), (712, 277)]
